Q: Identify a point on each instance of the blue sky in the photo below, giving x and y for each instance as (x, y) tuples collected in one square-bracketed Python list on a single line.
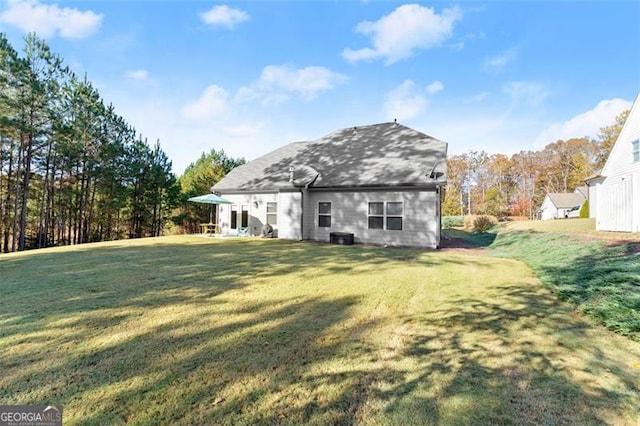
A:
[(248, 77)]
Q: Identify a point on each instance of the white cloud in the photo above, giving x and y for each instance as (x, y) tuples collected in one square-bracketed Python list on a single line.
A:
[(405, 101), (139, 75), (408, 28), (498, 62), (210, 106), (48, 20), (435, 87), (586, 124), (224, 16), (527, 93), (479, 97), (277, 82)]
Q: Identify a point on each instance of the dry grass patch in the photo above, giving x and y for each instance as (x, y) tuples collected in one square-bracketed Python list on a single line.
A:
[(198, 331)]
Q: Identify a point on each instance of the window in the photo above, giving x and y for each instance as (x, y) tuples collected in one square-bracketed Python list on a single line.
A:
[(272, 214), (244, 221), (394, 216), (376, 215), (635, 150), (234, 217), (324, 215), (386, 215)]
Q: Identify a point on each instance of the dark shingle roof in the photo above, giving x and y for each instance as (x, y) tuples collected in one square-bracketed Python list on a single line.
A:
[(387, 154)]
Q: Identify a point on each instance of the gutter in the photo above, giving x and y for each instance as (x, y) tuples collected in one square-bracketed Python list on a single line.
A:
[(302, 189)]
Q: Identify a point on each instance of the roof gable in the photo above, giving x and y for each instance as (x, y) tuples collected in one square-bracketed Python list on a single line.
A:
[(387, 154), (620, 154), (563, 200)]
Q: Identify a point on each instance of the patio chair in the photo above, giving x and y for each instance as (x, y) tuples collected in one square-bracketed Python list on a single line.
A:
[(267, 231), (243, 232)]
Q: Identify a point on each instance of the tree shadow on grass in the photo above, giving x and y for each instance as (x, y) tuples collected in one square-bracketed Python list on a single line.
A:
[(512, 356), (602, 280)]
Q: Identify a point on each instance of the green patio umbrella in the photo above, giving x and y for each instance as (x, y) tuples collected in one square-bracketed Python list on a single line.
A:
[(212, 199)]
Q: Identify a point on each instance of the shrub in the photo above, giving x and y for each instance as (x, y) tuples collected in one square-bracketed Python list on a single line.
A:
[(468, 222), (584, 209), (453, 221), (483, 223)]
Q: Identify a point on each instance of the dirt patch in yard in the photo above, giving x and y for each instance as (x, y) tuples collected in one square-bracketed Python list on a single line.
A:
[(456, 244), (631, 244)]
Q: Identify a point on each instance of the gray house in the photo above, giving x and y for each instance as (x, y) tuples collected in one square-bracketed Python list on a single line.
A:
[(382, 183)]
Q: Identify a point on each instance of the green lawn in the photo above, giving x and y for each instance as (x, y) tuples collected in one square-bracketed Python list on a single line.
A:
[(597, 272), (189, 330)]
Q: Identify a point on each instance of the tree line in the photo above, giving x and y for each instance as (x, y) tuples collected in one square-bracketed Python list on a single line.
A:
[(495, 184), (71, 169)]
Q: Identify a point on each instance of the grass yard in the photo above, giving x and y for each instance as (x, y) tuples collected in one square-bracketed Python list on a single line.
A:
[(598, 272), (188, 330)]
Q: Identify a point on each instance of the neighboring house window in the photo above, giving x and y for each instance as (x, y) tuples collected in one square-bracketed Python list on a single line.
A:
[(234, 217), (386, 215), (635, 150), (324, 215), (272, 214)]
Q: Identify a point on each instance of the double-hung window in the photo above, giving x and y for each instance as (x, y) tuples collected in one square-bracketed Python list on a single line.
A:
[(272, 213), (394, 216), (386, 215), (635, 150), (324, 214), (376, 215)]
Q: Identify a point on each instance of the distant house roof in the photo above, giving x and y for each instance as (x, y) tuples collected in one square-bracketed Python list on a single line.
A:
[(582, 190), (565, 200), (387, 154)]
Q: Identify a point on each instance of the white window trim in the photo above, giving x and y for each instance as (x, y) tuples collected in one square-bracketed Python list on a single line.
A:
[(274, 213), (325, 214), (385, 215)]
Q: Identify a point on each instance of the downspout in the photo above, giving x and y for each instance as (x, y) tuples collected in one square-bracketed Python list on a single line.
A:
[(302, 190), (439, 212)]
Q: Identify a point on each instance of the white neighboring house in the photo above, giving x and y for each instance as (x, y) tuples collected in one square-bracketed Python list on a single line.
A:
[(615, 193), (382, 183), (556, 205)]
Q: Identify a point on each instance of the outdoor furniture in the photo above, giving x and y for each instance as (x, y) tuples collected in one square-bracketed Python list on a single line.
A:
[(267, 231), (209, 228), (243, 232)]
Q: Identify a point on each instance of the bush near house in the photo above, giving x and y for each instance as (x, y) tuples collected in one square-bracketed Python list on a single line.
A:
[(453, 221), (482, 224), (584, 210)]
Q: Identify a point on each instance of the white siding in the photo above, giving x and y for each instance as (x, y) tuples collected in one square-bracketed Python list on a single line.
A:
[(289, 215), (257, 204), (349, 213), (548, 209), (618, 197), (593, 199)]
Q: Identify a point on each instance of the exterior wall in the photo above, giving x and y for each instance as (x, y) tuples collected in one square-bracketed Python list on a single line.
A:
[(257, 204), (593, 199), (548, 210), (618, 197), (290, 215), (349, 213)]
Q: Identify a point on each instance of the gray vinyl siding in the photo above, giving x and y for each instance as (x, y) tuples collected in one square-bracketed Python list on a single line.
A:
[(289, 215), (349, 213)]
